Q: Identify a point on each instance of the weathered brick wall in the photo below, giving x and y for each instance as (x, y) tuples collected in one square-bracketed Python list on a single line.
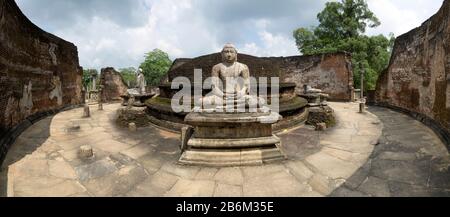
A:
[(39, 72), (332, 73), (418, 77), (113, 85), (329, 72)]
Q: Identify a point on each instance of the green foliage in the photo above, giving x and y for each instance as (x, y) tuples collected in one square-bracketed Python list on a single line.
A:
[(129, 76), (87, 77), (155, 66), (342, 27)]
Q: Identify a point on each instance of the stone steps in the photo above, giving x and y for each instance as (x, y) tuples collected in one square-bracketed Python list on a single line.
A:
[(232, 157)]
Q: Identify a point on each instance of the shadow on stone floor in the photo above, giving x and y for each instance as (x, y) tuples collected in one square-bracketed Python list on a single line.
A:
[(38, 133), (299, 151), (409, 161)]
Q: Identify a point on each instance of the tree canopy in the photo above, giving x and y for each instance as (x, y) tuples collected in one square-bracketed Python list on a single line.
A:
[(155, 66), (342, 27), (129, 76)]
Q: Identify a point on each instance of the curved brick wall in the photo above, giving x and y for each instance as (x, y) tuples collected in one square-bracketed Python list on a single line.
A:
[(417, 80), (39, 73)]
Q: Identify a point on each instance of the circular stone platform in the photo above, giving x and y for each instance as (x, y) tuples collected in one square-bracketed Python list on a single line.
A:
[(44, 162)]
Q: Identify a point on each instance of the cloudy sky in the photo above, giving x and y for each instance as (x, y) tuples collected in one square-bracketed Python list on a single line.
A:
[(119, 32)]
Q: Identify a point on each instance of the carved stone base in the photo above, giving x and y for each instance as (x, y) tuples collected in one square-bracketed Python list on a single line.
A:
[(135, 115), (231, 139)]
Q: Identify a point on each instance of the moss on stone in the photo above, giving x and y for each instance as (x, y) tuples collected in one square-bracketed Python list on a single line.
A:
[(321, 115), (159, 101)]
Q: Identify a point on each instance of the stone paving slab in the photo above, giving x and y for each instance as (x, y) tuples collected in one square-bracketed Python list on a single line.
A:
[(337, 162), (409, 161)]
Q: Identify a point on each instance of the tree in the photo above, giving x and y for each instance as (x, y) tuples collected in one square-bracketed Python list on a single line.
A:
[(87, 77), (342, 26), (129, 76), (155, 66)]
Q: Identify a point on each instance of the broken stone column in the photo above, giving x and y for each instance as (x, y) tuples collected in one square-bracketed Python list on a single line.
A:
[(87, 112), (362, 106), (85, 152), (132, 127)]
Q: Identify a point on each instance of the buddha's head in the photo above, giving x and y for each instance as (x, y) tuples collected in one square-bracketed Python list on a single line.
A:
[(229, 53)]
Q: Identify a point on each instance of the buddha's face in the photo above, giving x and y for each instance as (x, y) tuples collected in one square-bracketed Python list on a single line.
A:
[(229, 55)]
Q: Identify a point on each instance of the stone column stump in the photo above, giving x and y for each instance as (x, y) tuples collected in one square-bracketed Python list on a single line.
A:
[(87, 112)]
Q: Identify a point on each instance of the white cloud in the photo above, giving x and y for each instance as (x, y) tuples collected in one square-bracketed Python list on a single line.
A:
[(102, 42), (401, 16), (270, 44), (119, 32)]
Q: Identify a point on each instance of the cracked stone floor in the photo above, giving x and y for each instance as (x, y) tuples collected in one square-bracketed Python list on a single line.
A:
[(381, 153)]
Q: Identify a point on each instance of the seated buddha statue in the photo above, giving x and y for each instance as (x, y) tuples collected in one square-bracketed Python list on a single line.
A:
[(230, 84)]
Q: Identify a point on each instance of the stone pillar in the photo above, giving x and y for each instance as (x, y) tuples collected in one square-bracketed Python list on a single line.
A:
[(94, 83), (362, 84), (362, 107), (87, 112), (100, 98), (83, 95), (362, 104)]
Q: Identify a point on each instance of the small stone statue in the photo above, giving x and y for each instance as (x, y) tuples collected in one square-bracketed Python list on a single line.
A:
[(138, 95), (141, 82)]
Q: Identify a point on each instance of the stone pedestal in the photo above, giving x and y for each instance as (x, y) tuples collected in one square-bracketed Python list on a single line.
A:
[(315, 99), (135, 115), (231, 139), (139, 100)]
